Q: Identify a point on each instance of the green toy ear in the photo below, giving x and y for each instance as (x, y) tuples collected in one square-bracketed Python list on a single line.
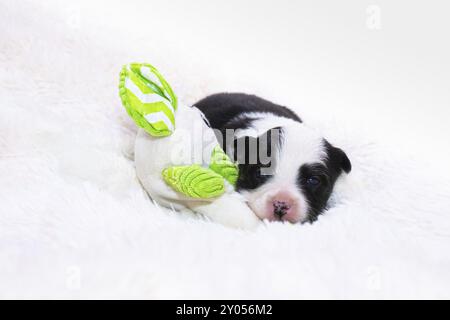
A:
[(194, 181), (199, 182), (148, 98), (222, 164)]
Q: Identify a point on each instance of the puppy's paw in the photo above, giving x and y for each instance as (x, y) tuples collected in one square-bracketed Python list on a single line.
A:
[(231, 211)]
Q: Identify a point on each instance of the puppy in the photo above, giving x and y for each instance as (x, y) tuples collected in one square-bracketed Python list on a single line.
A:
[(287, 171)]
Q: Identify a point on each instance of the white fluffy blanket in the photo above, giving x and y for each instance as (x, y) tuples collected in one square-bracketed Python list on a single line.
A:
[(75, 222)]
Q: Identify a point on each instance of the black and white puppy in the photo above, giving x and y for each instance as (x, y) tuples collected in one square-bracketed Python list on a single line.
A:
[(291, 173)]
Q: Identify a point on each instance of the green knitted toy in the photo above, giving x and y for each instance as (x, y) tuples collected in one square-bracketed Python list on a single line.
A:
[(152, 104)]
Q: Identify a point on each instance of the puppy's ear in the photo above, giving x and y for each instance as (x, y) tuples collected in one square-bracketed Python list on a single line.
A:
[(338, 158), (345, 163)]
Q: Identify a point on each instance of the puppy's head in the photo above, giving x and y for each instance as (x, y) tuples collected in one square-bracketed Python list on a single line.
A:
[(292, 175)]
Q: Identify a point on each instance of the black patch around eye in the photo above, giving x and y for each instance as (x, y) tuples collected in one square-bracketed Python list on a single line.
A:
[(318, 195), (316, 185)]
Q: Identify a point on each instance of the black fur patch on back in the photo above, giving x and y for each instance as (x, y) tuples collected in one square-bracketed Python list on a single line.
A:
[(223, 109)]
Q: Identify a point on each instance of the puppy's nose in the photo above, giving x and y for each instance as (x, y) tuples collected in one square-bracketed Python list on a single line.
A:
[(280, 208)]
